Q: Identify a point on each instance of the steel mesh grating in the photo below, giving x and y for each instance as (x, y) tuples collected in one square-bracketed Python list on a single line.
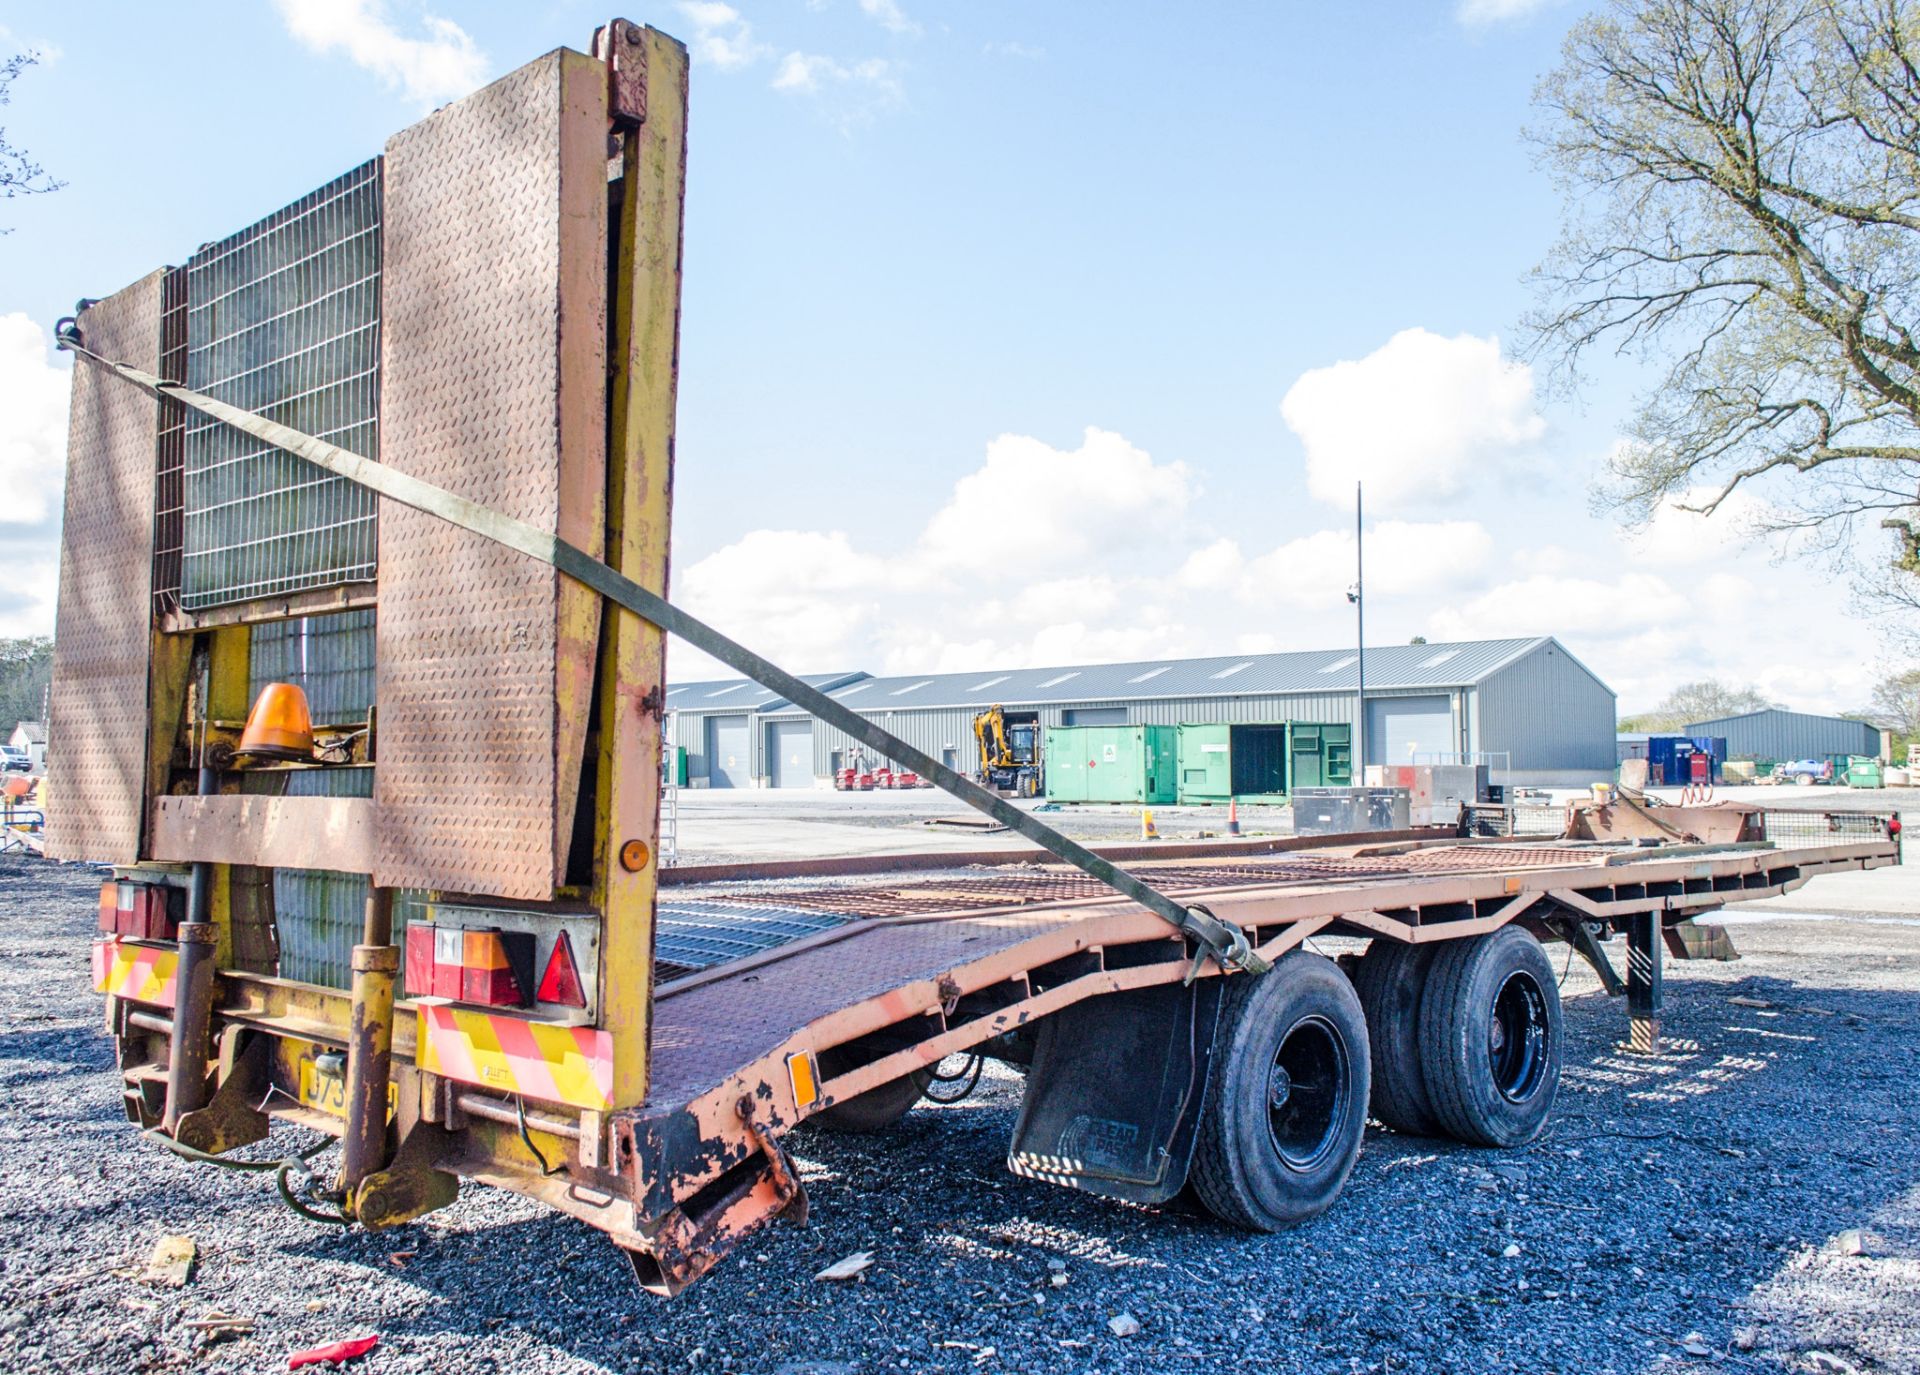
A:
[(318, 913), (329, 657), (695, 935), (283, 319), (169, 494)]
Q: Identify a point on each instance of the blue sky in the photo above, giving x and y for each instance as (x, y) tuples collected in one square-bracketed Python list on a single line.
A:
[(1013, 333)]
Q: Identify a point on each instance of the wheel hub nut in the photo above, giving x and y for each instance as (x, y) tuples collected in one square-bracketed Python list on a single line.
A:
[(1279, 1087)]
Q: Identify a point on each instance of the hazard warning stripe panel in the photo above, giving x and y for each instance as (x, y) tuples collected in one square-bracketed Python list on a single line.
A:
[(138, 973), (555, 1064), (102, 634)]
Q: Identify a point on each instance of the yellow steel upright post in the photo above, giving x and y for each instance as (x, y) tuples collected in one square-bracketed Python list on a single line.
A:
[(649, 71), (229, 678)]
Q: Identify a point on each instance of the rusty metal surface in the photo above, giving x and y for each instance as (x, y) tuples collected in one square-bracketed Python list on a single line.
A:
[(328, 833), (1055, 884), (711, 1027), (702, 1035), (844, 866), (97, 732), (493, 387)]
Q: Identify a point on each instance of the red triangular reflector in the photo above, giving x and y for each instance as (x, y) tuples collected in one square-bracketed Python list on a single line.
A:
[(561, 982)]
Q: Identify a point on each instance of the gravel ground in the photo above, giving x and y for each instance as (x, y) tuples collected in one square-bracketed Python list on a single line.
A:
[(1705, 1192)]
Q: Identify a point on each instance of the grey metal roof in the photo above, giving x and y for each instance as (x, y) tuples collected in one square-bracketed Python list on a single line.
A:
[(1389, 668), (743, 694), (1776, 713)]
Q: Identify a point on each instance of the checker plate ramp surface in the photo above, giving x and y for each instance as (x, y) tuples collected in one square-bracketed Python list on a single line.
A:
[(707, 1031), (97, 728), (493, 386)]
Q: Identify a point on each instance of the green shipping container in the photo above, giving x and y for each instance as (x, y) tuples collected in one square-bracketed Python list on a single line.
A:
[(1128, 764), (1320, 756), (1221, 761)]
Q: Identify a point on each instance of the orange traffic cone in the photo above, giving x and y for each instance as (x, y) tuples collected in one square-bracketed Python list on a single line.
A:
[(1147, 831), (1233, 817)]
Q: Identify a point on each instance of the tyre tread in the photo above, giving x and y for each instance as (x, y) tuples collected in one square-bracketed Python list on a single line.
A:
[(1399, 1088)]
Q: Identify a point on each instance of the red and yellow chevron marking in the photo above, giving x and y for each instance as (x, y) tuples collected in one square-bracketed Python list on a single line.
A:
[(559, 1064), (139, 973)]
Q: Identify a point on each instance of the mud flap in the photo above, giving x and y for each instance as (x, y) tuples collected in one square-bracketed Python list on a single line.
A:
[(1113, 1098)]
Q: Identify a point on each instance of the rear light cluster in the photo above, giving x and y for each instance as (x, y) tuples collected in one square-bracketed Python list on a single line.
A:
[(491, 967), (145, 911)]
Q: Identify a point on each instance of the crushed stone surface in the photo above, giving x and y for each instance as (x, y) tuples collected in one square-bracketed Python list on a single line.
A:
[(1710, 1200)]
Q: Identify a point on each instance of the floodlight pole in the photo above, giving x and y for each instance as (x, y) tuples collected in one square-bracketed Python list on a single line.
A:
[(1360, 641)]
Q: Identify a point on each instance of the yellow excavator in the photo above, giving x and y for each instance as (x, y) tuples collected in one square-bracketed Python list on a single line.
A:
[(1009, 750)]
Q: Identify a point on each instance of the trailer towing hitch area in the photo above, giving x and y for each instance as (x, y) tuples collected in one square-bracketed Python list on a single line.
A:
[(1220, 941)]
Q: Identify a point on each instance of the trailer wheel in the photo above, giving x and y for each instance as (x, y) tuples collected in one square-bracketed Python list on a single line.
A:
[(1390, 979), (1491, 1038), (876, 1109), (1286, 1101)]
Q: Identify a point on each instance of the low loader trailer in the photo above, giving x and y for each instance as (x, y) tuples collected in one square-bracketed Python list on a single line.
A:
[(358, 688)]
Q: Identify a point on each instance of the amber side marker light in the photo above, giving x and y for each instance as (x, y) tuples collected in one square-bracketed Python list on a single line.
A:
[(279, 726)]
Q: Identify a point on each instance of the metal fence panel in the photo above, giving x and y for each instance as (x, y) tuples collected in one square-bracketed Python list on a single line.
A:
[(283, 319)]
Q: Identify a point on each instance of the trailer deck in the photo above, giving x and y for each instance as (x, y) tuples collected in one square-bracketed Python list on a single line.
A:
[(907, 968)]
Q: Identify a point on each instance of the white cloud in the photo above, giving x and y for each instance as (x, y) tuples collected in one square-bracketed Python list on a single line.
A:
[(1686, 536), (442, 66), (721, 37), (1416, 419), (795, 596), (33, 422), (1403, 558), (1109, 562), (27, 605), (1477, 12), (888, 14), (1610, 606), (1105, 499), (1048, 554), (811, 74)]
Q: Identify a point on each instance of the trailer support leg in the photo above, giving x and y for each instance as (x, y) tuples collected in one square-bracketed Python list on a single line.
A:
[(370, 1045), (1645, 992), (1582, 939), (187, 1055)]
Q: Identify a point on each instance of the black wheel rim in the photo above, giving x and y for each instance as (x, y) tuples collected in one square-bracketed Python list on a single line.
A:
[(1517, 1037), (1307, 1088)]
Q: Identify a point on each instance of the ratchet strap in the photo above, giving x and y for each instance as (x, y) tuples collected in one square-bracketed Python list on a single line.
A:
[(1221, 941)]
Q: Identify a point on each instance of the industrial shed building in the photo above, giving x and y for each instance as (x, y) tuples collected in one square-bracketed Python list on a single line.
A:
[(1779, 734), (1526, 707)]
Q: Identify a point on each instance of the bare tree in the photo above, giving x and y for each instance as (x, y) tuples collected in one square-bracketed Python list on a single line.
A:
[(1707, 700), (1743, 186), (20, 175), (1896, 703)]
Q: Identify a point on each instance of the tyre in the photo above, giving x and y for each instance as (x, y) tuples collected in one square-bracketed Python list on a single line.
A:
[(1286, 1099), (1490, 1038), (876, 1109), (1803, 780), (1390, 978)]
